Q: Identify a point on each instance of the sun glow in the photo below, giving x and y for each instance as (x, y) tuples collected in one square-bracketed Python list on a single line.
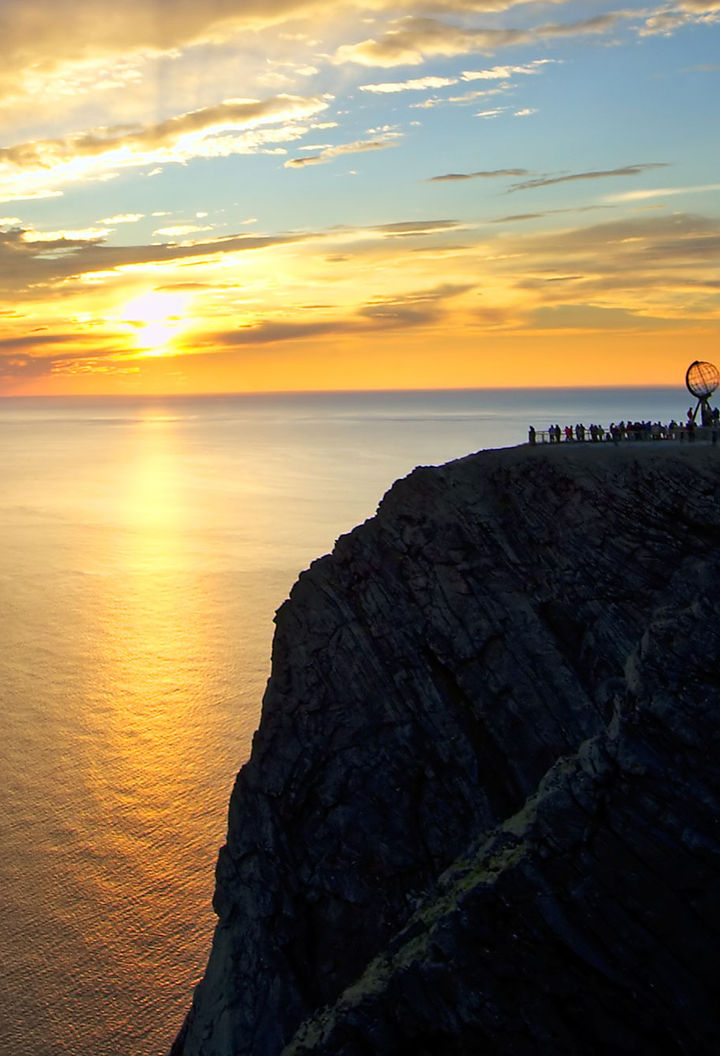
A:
[(157, 318)]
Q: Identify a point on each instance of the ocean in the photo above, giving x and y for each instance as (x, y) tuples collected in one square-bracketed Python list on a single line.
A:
[(146, 544)]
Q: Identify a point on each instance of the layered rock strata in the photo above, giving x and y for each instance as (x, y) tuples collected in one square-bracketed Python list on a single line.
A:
[(481, 810)]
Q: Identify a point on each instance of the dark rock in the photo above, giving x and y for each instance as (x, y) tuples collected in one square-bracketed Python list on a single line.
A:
[(481, 811)]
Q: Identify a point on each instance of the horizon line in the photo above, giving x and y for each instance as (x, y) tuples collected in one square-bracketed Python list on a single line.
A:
[(328, 392)]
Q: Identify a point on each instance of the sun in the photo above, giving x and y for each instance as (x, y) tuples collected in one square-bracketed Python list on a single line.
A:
[(156, 317)]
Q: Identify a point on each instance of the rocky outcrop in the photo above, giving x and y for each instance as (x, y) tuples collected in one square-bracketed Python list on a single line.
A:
[(481, 810)]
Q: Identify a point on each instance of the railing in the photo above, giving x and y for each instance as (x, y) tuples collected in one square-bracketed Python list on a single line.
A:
[(706, 433)]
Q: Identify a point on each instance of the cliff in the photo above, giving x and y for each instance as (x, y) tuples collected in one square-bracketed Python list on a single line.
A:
[(481, 810)]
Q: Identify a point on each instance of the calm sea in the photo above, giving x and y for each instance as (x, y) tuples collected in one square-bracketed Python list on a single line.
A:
[(146, 544)]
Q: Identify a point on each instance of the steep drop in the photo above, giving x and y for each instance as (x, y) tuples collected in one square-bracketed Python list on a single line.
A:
[(480, 810)]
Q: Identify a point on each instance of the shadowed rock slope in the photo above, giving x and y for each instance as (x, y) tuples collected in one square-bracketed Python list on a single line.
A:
[(481, 811)]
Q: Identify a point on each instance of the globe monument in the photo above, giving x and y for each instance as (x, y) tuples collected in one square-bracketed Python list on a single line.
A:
[(702, 379)]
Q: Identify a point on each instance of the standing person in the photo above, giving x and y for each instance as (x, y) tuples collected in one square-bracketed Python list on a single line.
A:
[(531, 436)]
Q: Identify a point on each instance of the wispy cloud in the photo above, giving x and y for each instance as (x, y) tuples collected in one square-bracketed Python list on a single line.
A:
[(123, 218), (39, 167), (418, 84), (60, 44), (389, 139), (652, 265), (25, 363), (483, 174), (678, 14), (180, 230), (32, 260), (415, 308), (68, 236), (517, 217), (660, 192), (596, 174), (50, 56), (415, 227), (411, 40), (504, 73), (466, 97)]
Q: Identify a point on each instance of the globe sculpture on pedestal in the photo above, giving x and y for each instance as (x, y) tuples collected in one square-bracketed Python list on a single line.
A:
[(701, 380)]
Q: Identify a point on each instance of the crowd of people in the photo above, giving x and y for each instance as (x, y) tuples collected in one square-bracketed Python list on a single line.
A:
[(618, 431)]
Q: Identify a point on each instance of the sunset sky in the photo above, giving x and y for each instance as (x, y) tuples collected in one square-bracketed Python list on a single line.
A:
[(287, 194)]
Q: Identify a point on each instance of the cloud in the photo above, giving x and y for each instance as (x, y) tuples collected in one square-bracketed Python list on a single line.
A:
[(468, 7), (113, 49), (34, 264), (679, 14), (389, 139), (271, 331), (598, 174), (415, 227), (40, 31), (32, 341), (589, 318), (419, 84), (411, 40), (504, 73), (660, 192), (638, 237), (30, 261), (516, 217), (466, 97), (123, 218), (366, 320), (178, 131), (178, 230), (413, 309), (357, 282), (22, 358), (654, 266), (69, 235), (37, 167), (441, 292), (482, 174)]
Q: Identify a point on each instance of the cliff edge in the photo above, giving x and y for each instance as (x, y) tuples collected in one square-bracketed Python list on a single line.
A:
[(481, 810)]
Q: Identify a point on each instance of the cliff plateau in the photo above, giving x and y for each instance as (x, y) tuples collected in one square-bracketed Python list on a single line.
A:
[(481, 809)]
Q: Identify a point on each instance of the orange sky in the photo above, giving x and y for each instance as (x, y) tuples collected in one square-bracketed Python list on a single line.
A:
[(372, 195)]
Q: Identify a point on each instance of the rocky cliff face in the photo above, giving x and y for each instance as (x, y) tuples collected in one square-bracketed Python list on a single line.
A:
[(481, 812)]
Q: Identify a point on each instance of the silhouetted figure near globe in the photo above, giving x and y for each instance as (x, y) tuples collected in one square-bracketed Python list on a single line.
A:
[(701, 380)]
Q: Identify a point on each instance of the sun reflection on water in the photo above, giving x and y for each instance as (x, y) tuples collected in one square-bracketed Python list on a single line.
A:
[(149, 694)]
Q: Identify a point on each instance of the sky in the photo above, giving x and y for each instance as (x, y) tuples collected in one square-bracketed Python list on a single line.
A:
[(318, 194)]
